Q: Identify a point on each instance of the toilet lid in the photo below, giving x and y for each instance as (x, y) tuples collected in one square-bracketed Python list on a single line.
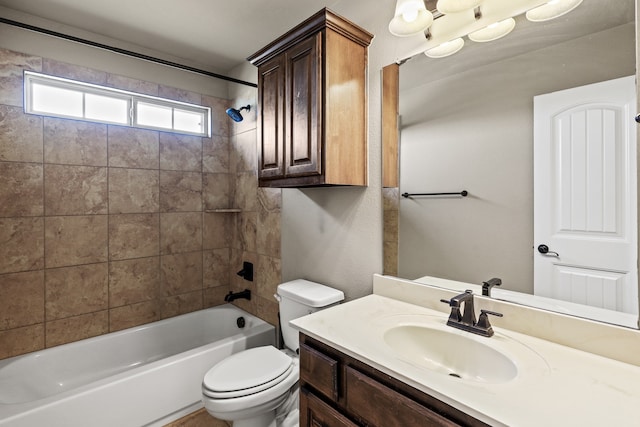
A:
[(248, 369)]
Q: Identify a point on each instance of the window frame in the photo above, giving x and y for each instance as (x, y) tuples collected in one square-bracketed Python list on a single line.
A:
[(132, 99)]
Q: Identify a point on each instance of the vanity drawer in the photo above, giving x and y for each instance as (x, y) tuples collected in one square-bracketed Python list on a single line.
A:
[(381, 406), (315, 412), (320, 370)]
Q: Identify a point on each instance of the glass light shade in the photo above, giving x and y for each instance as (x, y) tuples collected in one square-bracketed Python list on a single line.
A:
[(412, 17), (493, 31), (445, 49), (455, 6), (552, 10)]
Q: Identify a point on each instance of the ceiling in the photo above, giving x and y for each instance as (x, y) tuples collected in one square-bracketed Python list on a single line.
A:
[(217, 34)]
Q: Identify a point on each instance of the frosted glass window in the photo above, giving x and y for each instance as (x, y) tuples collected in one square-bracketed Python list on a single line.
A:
[(108, 109), (188, 120), (59, 97), (157, 116), (56, 100)]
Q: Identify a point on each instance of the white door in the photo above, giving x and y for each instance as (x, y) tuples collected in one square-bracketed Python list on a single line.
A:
[(585, 195)]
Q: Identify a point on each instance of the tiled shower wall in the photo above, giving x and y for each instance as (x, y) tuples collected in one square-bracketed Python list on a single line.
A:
[(105, 227)]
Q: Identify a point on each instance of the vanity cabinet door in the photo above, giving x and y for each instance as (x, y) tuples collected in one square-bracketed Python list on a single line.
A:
[(315, 413), (271, 83), (381, 406), (303, 135)]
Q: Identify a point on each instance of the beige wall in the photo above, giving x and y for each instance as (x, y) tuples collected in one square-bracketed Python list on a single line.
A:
[(474, 131)]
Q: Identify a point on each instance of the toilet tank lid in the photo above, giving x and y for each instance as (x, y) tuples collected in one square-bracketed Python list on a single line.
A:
[(310, 293)]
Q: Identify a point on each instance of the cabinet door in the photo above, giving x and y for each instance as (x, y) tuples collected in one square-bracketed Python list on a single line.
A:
[(315, 413), (271, 83), (303, 149)]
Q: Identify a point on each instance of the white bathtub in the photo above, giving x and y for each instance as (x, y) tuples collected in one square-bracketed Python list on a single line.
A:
[(144, 376)]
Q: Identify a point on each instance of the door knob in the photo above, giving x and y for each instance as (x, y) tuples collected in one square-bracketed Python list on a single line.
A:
[(637, 118), (544, 250)]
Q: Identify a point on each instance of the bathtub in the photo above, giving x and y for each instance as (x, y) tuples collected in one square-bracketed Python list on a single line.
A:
[(144, 376)]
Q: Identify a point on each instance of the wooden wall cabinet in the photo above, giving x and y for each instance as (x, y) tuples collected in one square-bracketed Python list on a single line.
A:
[(340, 391), (312, 104)]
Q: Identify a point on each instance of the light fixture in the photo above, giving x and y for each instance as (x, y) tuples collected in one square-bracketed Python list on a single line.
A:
[(494, 31), (446, 22), (455, 6), (445, 49), (411, 17), (553, 9)]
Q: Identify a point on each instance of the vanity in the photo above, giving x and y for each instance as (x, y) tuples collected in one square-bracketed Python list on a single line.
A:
[(389, 359)]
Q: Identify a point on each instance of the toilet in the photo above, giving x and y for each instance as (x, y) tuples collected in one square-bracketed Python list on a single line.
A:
[(258, 387)]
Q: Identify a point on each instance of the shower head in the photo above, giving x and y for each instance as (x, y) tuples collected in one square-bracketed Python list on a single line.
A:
[(235, 114)]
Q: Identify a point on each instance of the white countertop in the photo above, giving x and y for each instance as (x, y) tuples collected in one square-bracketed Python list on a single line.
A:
[(558, 385)]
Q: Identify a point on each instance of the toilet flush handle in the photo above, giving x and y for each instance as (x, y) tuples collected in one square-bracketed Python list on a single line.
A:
[(277, 297)]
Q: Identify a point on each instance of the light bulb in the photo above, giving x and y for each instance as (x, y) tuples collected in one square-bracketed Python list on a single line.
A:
[(410, 15)]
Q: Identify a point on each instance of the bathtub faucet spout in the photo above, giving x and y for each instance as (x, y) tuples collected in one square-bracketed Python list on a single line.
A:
[(246, 294)]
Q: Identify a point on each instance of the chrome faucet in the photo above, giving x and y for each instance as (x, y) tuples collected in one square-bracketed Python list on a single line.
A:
[(466, 320)]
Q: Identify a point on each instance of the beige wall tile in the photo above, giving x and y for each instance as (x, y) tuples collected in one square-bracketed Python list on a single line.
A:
[(180, 152), (132, 315), (215, 154), (390, 262), (134, 236), (180, 191), (134, 190), (391, 199), (245, 235), (216, 191), (216, 267), (21, 135), (133, 148), (21, 244), (21, 340), (76, 328), (267, 276), (74, 72), (218, 230), (181, 304), (180, 232), (21, 191), (72, 142), (21, 299), (244, 155), (245, 191), (390, 226), (75, 190), (72, 291), (12, 64), (266, 309), (180, 273), (270, 199), (73, 240), (268, 233), (220, 122), (179, 94), (132, 85), (214, 296), (134, 280)]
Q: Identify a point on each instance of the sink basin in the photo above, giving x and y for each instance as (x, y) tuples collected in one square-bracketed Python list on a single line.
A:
[(458, 354)]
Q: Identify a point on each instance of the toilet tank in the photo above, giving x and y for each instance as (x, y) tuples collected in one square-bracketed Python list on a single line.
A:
[(298, 298)]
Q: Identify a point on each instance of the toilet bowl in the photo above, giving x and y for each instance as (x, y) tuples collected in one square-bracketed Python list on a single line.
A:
[(257, 387)]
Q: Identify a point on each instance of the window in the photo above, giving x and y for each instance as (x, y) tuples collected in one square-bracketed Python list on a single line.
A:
[(58, 97)]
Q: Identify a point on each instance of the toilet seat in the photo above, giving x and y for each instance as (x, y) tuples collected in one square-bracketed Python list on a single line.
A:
[(247, 372)]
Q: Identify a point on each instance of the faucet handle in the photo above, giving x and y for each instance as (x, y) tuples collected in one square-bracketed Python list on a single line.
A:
[(483, 320), (455, 315)]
